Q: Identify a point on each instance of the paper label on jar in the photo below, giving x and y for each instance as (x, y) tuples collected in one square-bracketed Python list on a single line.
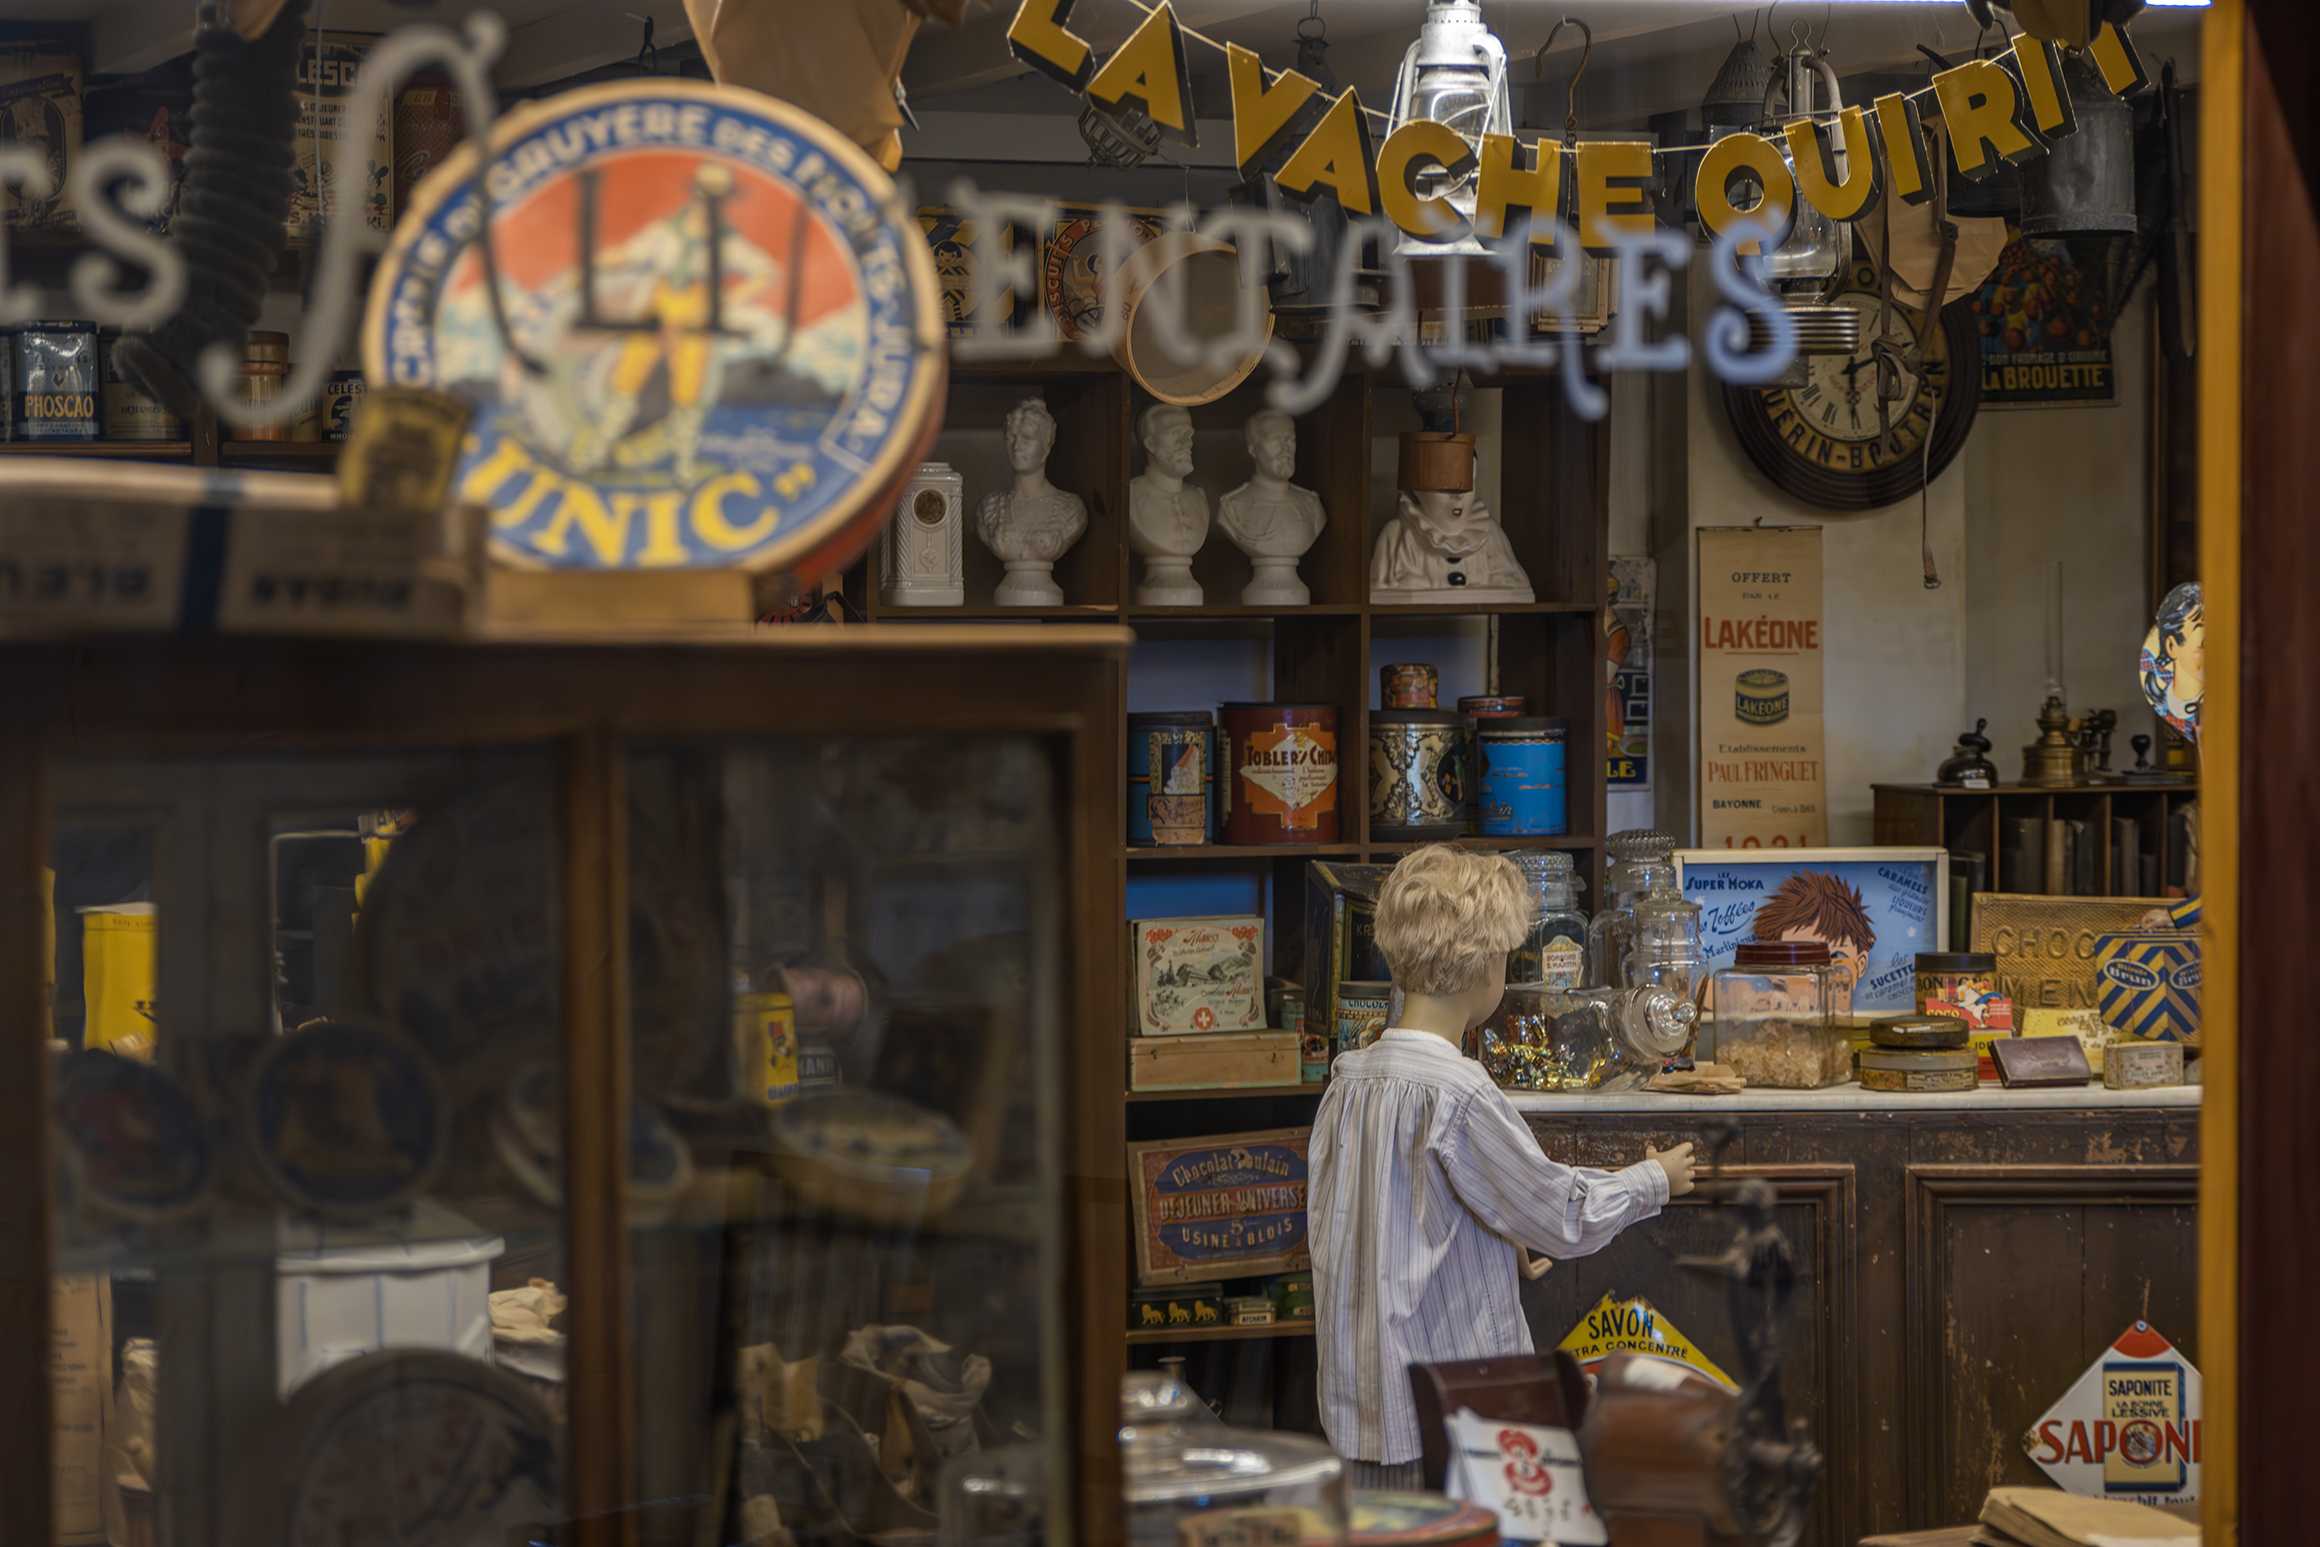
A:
[(1562, 962), (1293, 773)]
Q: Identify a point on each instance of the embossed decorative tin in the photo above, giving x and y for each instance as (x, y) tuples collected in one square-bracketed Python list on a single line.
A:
[(1171, 779), (1408, 685), (1280, 773), (1420, 785), (1522, 777)]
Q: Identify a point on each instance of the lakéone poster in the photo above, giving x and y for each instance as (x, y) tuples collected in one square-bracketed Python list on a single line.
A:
[(1763, 770)]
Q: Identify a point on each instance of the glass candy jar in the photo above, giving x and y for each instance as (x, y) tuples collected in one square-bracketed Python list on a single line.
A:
[(1641, 860), (1179, 1465), (1666, 950), (1555, 954), (1771, 1017), (1576, 1039)]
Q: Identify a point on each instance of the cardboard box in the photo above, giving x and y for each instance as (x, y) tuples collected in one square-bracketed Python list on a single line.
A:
[(81, 1381), (1226, 1061)]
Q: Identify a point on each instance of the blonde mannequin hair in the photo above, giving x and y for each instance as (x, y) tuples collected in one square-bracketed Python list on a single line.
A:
[(1445, 912)]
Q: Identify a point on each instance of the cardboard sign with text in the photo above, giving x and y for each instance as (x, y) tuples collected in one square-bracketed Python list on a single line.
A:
[(1527, 1475), (1763, 771)]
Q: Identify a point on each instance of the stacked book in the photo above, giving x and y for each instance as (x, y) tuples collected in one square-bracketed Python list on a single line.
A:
[(2041, 1517)]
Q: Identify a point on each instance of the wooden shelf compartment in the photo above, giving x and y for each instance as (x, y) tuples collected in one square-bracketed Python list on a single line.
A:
[(1234, 1093), (1279, 1329)]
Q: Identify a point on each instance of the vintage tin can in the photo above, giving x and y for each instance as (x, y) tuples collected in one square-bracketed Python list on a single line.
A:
[(1408, 685), (1417, 1520), (1522, 782), (1362, 1009), (1493, 706), (765, 1043), (2142, 1065), (1171, 779), (129, 412), (56, 380), (1280, 773), (341, 396), (1905, 1072), (1918, 1033), (1420, 785)]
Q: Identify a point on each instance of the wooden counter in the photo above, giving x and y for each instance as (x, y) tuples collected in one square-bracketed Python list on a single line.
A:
[(1961, 1260)]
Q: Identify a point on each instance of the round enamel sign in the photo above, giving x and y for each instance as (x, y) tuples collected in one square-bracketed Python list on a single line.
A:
[(716, 342)]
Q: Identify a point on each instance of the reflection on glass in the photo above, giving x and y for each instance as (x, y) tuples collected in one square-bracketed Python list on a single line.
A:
[(311, 1138)]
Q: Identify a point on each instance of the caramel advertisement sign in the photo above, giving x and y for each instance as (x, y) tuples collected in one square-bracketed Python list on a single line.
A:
[(1763, 773)]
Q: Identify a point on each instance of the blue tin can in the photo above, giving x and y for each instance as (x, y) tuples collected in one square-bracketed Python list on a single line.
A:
[(1523, 788), (1171, 779), (56, 380)]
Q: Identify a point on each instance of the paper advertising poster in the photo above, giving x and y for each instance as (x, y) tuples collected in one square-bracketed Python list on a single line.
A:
[(2046, 331), (2130, 1428), (1627, 667), (1762, 775), (1875, 909)]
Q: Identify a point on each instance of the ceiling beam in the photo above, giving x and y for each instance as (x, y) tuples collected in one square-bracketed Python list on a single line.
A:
[(948, 59)]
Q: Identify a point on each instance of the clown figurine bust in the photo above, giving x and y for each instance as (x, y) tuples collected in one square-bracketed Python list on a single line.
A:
[(1443, 544), (1032, 524)]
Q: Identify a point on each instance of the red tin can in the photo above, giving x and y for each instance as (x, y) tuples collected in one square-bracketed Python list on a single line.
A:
[(1408, 685), (1493, 706), (1280, 763)]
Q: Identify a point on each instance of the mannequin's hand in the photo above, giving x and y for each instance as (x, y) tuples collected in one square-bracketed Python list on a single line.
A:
[(1535, 1267), (1677, 1163)]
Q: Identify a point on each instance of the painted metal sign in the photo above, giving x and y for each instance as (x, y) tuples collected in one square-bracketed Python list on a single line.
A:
[(1637, 1327), (2130, 1428), (703, 332)]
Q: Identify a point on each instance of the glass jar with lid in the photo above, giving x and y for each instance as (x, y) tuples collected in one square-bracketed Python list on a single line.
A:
[(1641, 859), (1667, 953), (1555, 953), (1771, 1017), (1182, 1472), (1579, 1039)]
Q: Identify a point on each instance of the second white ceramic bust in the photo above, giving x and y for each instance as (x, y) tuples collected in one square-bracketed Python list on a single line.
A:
[(1269, 518), (1167, 517), (1033, 523)]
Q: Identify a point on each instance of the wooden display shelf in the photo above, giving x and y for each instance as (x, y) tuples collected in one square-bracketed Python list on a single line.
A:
[(1234, 612), (132, 450), (1279, 1329), (278, 451), (1381, 611), (1084, 612), (1226, 853), (1233, 1093), (1578, 843)]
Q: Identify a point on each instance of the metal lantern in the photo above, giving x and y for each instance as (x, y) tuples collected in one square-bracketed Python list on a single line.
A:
[(1454, 74), (1817, 246), (2085, 183), (1299, 283)]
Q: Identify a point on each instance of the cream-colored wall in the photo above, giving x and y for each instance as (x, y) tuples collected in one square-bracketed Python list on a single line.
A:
[(1893, 652), (2071, 485), (1908, 668)]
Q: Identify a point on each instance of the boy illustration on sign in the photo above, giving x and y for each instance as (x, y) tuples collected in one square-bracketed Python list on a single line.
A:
[(1814, 905)]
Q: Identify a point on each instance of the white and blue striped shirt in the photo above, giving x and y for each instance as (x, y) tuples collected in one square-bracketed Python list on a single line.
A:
[(1424, 1180)]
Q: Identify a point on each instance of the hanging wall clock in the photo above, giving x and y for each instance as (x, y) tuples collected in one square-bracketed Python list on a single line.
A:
[(1826, 443)]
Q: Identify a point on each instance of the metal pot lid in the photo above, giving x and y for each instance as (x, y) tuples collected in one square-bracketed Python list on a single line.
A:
[(1171, 1449)]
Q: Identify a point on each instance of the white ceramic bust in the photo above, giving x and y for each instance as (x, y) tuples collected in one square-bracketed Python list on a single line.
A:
[(1443, 545), (1167, 517), (1033, 523), (1269, 518)]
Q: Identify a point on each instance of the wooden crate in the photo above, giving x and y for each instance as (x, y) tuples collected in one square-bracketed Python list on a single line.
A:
[(1232, 1060)]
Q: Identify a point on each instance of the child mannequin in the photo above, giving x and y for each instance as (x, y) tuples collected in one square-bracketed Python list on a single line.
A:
[(1429, 1193)]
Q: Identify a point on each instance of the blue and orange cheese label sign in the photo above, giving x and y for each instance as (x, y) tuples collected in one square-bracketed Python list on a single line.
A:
[(716, 341), (1226, 1207), (2130, 1428)]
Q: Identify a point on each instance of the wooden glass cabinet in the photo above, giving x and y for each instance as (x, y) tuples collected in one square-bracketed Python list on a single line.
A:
[(733, 991)]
